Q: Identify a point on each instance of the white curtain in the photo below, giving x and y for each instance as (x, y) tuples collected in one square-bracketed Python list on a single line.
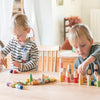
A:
[(6, 7), (30, 12)]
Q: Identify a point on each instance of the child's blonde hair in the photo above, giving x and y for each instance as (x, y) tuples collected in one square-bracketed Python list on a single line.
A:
[(79, 30), (20, 20)]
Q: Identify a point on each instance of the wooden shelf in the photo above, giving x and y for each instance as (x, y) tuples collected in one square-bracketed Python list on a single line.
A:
[(18, 7)]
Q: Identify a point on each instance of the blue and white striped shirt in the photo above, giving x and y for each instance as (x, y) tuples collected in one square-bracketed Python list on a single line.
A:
[(27, 53)]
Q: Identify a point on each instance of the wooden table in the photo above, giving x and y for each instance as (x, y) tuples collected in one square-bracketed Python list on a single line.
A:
[(51, 91)]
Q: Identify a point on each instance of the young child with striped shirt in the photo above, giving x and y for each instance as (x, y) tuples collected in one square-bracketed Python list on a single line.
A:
[(23, 50)]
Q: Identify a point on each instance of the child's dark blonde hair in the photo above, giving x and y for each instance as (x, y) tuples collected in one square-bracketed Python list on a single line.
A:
[(79, 30), (20, 20)]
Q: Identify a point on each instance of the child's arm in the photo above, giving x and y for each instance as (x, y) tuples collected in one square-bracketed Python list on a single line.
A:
[(84, 65), (2, 61), (6, 50)]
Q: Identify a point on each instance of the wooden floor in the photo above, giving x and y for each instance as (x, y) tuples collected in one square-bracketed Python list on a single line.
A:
[(53, 91)]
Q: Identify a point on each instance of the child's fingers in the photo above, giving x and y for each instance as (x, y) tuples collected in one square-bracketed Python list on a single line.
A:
[(81, 71), (1, 61)]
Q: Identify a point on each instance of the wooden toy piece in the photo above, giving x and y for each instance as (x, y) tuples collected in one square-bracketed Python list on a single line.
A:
[(64, 73), (27, 80), (23, 83), (89, 77), (69, 68), (80, 79), (88, 80), (31, 79), (18, 86), (75, 77), (67, 77), (35, 82), (12, 85), (92, 82), (61, 63), (11, 71), (43, 79), (98, 81), (15, 71), (71, 77), (77, 73), (61, 76), (47, 80), (95, 70), (52, 79), (84, 77), (39, 82), (95, 83), (89, 72), (8, 84)]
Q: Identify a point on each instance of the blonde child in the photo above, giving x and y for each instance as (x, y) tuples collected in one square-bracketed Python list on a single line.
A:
[(23, 50), (82, 41)]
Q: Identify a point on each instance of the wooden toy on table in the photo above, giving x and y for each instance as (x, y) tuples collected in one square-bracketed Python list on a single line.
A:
[(80, 79), (95, 71), (14, 71), (4, 63), (98, 81), (75, 77), (89, 77), (70, 72), (61, 72), (67, 77), (19, 84)]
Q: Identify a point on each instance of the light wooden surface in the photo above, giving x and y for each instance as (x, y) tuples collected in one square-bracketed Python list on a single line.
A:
[(53, 91), (67, 53), (68, 58), (50, 53)]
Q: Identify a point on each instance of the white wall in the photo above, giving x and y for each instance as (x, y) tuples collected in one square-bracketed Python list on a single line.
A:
[(50, 17), (44, 19), (69, 8), (86, 8)]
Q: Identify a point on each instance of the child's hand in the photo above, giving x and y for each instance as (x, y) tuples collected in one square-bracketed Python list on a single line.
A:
[(17, 64), (81, 68), (1, 61)]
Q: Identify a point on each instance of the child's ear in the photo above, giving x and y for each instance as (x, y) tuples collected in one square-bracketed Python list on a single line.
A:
[(91, 41), (28, 30)]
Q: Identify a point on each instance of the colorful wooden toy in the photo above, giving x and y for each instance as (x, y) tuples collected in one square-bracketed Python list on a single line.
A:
[(31, 79), (67, 77), (98, 81), (75, 77), (89, 77), (69, 68), (14, 71), (18, 86), (80, 79)]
